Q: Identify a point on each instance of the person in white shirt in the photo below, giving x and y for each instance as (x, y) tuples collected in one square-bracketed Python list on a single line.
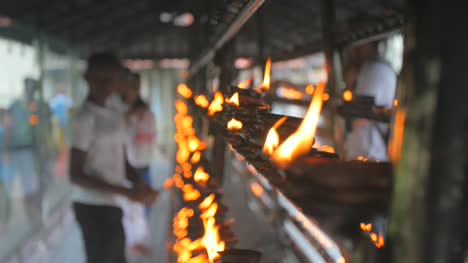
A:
[(101, 176), (140, 136), (376, 79)]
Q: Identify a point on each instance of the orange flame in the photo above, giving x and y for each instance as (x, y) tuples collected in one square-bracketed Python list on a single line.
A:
[(210, 211), (395, 103), (211, 240), (206, 203), (366, 227), (190, 194), (181, 107), (234, 125), (290, 93), (347, 95), (256, 189), (195, 158), (362, 159), (266, 77), (272, 139), (202, 101), (326, 148), (201, 177), (234, 100), (245, 84), (380, 242), (193, 143), (310, 89), (216, 105), (326, 97), (300, 142), (184, 91)]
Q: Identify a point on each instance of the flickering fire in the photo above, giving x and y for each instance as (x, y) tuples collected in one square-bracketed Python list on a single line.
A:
[(211, 240), (195, 158), (234, 100), (234, 125), (266, 78), (206, 203), (366, 227), (380, 242), (245, 84), (300, 142), (201, 177), (190, 194), (184, 91), (347, 95), (310, 89), (202, 101), (272, 139), (193, 143), (216, 105), (290, 93)]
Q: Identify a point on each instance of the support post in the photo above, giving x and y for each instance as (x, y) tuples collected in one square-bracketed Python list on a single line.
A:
[(428, 215), (333, 67)]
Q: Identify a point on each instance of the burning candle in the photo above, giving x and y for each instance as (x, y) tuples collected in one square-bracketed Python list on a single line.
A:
[(272, 139), (234, 125), (245, 84), (234, 100), (216, 105), (201, 177), (184, 91), (202, 101), (347, 95), (266, 78)]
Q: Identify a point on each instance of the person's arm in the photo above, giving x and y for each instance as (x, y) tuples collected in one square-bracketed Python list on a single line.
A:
[(79, 177)]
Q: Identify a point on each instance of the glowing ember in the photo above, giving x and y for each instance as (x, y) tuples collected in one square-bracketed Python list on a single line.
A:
[(195, 157), (184, 91), (272, 139), (234, 125), (326, 148), (256, 189), (366, 227), (310, 89), (202, 101), (245, 84), (201, 177), (234, 100), (300, 142), (347, 95), (216, 105)]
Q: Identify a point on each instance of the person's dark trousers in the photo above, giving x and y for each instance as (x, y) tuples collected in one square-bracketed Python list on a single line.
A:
[(145, 175), (102, 231)]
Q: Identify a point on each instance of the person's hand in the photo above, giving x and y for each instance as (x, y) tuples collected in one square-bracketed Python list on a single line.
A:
[(145, 195)]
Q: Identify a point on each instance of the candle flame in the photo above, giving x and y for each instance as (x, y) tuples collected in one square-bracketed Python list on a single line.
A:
[(202, 101), (245, 84), (366, 227), (272, 139), (201, 177), (184, 91), (234, 125), (216, 105), (326, 148), (234, 100), (267, 76), (310, 89), (195, 158), (206, 203), (300, 142), (347, 95)]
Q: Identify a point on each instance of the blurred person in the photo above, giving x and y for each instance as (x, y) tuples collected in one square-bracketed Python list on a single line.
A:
[(102, 177), (5, 174), (140, 125), (60, 105), (376, 79)]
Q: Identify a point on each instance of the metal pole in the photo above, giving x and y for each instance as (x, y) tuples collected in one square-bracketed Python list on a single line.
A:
[(333, 67), (428, 216)]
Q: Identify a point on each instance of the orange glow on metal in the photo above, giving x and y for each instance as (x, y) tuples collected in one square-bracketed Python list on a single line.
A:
[(234, 100), (290, 93), (184, 91), (310, 89), (300, 142), (217, 104), (347, 95), (195, 158), (201, 177), (245, 84), (206, 203), (326, 97), (272, 139), (256, 189), (326, 148), (202, 101), (321, 237), (33, 120), (234, 125)]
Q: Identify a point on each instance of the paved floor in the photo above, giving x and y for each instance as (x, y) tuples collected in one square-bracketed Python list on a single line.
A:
[(71, 249)]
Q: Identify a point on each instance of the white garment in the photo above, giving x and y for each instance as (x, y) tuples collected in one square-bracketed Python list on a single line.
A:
[(134, 222), (114, 102), (141, 131), (100, 132), (376, 79)]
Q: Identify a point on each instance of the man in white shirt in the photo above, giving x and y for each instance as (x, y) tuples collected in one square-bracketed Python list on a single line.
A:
[(98, 167), (376, 79)]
